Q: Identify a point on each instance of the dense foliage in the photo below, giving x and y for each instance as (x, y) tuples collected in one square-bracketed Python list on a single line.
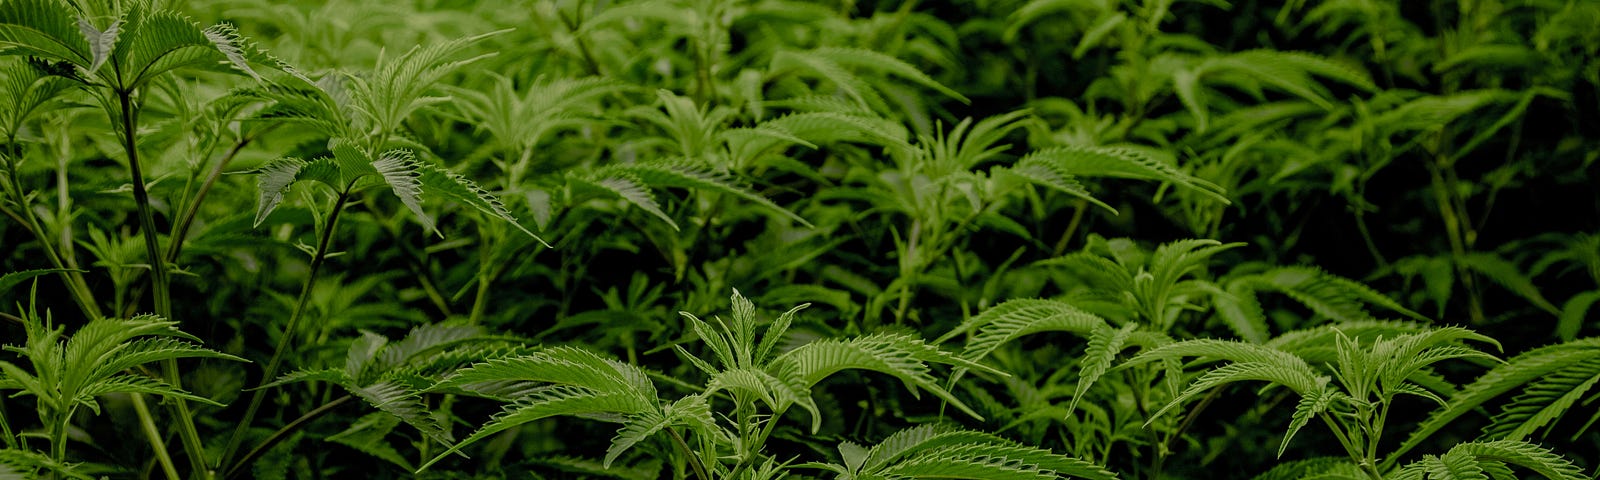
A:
[(759, 239)]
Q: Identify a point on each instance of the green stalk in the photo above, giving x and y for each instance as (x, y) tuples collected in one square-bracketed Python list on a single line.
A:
[(281, 434), (480, 299), (71, 277), (12, 441), (148, 425), (160, 281), (694, 462), (186, 219), (58, 436), (1351, 448), (325, 239), (1078, 209)]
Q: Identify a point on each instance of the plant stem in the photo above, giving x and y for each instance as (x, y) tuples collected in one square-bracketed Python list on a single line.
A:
[(148, 425), (1350, 448), (71, 277), (160, 282), (185, 220), (12, 441), (317, 258), (1453, 232), (480, 299), (1078, 209), (694, 462), (281, 434)]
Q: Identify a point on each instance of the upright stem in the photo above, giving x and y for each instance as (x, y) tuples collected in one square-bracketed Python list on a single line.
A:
[(185, 220), (282, 434), (160, 282), (325, 239), (147, 424), (74, 280), (480, 299), (1442, 191), (694, 462)]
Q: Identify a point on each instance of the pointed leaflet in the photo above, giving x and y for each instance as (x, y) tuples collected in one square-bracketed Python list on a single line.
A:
[(1050, 175), (689, 174), (398, 168), (1567, 327), (274, 179), (1515, 373), (147, 350), (437, 180), (994, 461), (873, 60), (1544, 401), (557, 401), (910, 441), (628, 188), (133, 384), (24, 90), (1523, 454), (1453, 465), (1104, 345), (692, 411), (843, 79), (1313, 403), (1016, 318), (361, 353), (1507, 275), (635, 429), (11, 280), (1241, 312), (1299, 377), (898, 355), (398, 400), (100, 42), (158, 42), (1326, 294), (368, 435), (43, 28), (1120, 163)]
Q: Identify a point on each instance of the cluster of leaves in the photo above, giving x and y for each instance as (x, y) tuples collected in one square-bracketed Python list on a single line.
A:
[(1075, 225)]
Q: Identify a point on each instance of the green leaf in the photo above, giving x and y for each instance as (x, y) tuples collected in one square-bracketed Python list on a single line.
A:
[(1570, 323), (100, 42), (1104, 345), (901, 356), (1516, 372), (1522, 454), (437, 180), (1120, 163), (1241, 311), (135, 384), (556, 401), (367, 435), (873, 60), (11, 280), (274, 179), (628, 188), (401, 401), (1506, 274), (1020, 317), (399, 171), (43, 28), (635, 429), (688, 174), (1544, 400), (1311, 404)]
